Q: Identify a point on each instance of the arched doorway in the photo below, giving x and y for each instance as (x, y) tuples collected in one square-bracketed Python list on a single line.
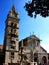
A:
[(35, 57), (44, 60)]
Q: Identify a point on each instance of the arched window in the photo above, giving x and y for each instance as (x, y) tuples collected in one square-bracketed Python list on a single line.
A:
[(35, 57), (44, 60)]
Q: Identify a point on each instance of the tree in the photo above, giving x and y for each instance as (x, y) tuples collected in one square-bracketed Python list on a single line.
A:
[(38, 7)]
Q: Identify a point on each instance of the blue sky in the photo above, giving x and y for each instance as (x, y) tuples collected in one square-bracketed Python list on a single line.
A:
[(27, 25)]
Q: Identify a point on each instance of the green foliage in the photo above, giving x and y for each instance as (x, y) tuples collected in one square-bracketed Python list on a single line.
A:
[(39, 7)]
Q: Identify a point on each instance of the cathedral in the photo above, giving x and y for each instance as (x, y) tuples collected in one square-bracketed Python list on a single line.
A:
[(28, 51)]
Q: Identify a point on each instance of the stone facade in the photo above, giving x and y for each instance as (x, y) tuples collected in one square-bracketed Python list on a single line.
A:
[(13, 51), (33, 50)]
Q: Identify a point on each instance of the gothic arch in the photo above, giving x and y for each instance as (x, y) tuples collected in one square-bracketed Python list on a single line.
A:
[(44, 60), (35, 57)]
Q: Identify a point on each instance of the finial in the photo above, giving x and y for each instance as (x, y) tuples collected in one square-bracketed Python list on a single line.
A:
[(33, 33), (13, 8), (30, 34)]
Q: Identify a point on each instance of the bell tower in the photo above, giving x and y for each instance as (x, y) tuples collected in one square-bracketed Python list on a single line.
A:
[(11, 45)]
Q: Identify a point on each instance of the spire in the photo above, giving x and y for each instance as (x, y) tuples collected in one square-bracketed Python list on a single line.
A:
[(13, 8), (12, 12)]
